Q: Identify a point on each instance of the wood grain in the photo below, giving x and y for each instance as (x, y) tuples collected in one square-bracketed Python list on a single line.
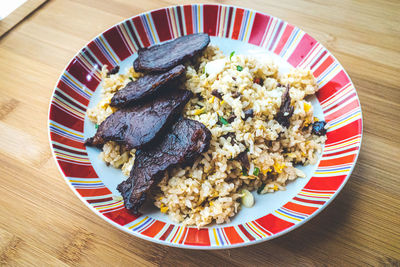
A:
[(43, 223), (19, 14)]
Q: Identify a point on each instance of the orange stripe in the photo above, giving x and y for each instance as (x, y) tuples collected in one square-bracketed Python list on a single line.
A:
[(238, 23), (300, 208), (154, 229), (337, 161), (232, 235), (323, 66)]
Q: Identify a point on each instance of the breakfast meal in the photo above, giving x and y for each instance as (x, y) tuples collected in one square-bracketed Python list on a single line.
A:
[(196, 131)]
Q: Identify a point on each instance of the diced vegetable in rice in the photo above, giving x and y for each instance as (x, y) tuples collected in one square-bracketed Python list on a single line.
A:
[(213, 188)]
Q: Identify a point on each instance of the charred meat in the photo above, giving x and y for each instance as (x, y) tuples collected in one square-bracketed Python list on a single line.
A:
[(163, 57), (286, 110), (182, 145), (145, 86), (138, 125)]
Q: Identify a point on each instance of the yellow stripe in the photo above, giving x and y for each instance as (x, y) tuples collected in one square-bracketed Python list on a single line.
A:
[(314, 194), (133, 226), (178, 235), (109, 51), (256, 229), (79, 114), (331, 74), (290, 217), (328, 172), (85, 182), (109, 206), (65, 130), (215, 236), (151, 27), (247, 26), (69, 157), (342, 144), (346, 120)]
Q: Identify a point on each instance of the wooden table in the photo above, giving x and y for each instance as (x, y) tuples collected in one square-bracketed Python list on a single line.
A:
[(43, 222)]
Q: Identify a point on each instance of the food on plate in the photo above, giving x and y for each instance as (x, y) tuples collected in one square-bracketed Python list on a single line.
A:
[(145, 87), (162, 57), (136, 126), (261, 129), (182, 145)]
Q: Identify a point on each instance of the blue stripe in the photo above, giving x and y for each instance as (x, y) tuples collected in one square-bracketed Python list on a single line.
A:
[(220, 237), (143, 224), (290, 214)]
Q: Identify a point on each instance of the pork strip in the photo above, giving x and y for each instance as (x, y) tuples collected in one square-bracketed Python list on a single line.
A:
[(185, 141), (145, 86), (136, 126), (162, 57)]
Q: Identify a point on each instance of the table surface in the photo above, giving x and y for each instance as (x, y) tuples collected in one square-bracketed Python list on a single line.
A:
[(42, 221)]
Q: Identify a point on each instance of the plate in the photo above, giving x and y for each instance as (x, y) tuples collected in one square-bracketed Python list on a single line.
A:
[(232, 29)]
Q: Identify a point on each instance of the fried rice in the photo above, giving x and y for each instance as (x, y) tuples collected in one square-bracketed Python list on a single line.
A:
[(215, 186)]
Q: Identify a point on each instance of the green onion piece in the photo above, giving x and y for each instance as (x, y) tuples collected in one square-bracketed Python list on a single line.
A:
[(130, 78), (239, 68), (96, 126), (261, 188), (256, 171), (244, 171), (232, 53), (223, 121), (204, 69)]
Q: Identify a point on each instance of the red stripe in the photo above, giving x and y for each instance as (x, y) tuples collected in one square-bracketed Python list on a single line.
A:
[(230, 12), (273, 223), (80, 73), (259, 27), (335, 84), (130, 29), (197, 237), (99, 55), (309, 201), (284, 38), (74, 105), (247, 234), (66, 141), (179, 12), (166, 234), (237, 23), (325, 183), (137, 22), (345, 132), (210, 15), (75, 170), (340, 101), (72, 93), (161, 23), (62, 117), (326, 153), (276, 35), (188, 19), (317, 60), (99, 200), (302, 49), (115, 40), (121, 216), (77, 153)]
